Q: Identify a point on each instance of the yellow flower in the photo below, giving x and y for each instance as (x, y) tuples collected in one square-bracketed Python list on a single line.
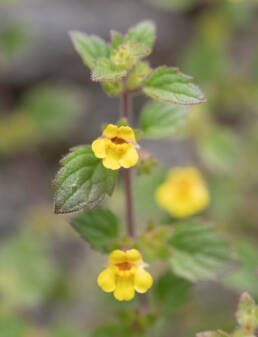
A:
[(116, 147), (184, 192), (125, 275)]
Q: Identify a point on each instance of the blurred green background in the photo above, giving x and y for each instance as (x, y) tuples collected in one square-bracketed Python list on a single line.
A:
[(48, 104)]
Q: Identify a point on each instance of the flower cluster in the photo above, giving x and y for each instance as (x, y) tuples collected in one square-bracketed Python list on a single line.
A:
[(125, 275)]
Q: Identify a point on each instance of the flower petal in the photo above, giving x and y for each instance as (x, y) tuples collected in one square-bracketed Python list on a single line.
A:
[(124, 289), (117, 256), (183, 193), (106, 279), (133, 256), (163, 196), (110, 131), (130, 158), (111, 161), (142, 280), (126, 133), (99, 148)]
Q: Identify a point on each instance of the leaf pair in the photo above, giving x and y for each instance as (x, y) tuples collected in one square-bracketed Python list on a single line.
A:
[(194, 250), (111, 63), (96, 54)]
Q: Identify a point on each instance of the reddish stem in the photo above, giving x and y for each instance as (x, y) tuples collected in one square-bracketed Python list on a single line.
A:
[(127, 175), (125, 104)]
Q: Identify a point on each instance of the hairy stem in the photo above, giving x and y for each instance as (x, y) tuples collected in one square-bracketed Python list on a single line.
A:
[(125, 105), (128, 193), (127, 176)]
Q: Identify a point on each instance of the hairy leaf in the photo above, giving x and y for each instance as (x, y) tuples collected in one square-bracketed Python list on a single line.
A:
[(136, 49), (90, 48), (98, 227), (143, 32), (198, 251), (171, 291), (247, 313), (159, 119), (244, 277), (112, 88), (169, 85), (82, 182), (104, 69), (117, 39), (138, 75)]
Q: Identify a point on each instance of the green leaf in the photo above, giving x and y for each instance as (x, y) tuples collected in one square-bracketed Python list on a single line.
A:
[(104, 69), (244, 277), (98, 227), (154, 243), (82, 182), (198, 251), (144, 192), (112, 88), (143, 32), (159, 119), (171, 292), (146, 165), (138, 75), (169, 85), (219, 149), (247, 313), (90, 48), (136, 49), (117, 39), (52, 108)]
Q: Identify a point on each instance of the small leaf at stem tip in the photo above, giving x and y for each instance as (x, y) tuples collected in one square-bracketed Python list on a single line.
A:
[(90, 48), (82, 182), (105, 70), (128, 54), (137, 76), (99, 227), (112, 88), (247, 313), (144, 32), (169, 85), (123, 122), (154, 243), (117, 39), (146, 165)]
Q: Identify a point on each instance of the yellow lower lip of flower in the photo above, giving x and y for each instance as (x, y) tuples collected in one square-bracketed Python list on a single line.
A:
[(184, 193), (116, 147), (125, 275)]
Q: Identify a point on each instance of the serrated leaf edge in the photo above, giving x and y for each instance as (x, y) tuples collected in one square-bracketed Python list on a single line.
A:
[(189, 77), (72, 33), (90, 205), (115, 78)]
